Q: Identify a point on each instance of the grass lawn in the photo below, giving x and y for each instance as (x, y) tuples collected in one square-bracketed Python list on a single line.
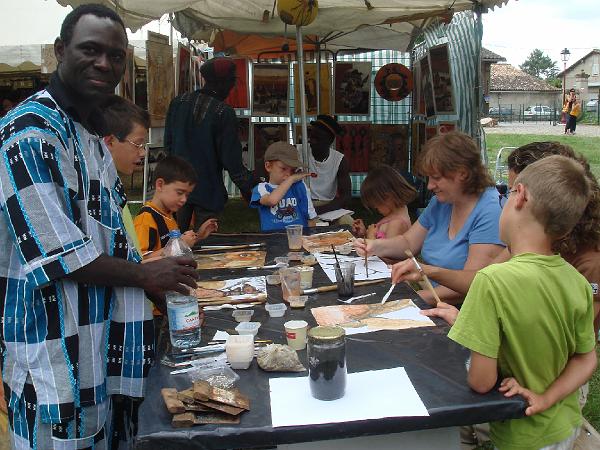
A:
[(588, 146)]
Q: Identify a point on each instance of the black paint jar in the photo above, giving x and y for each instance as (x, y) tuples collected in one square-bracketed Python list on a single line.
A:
[(326, 353)]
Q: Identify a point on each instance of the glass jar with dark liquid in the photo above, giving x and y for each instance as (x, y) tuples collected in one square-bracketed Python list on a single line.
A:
[(326, 353)]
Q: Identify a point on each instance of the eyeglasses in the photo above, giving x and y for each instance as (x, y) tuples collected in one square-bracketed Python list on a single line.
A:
[(139, 146), (503, 193)]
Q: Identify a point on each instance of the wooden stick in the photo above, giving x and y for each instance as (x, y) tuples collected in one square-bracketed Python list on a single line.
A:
[(334, 286), (425, 279), (366, 258)]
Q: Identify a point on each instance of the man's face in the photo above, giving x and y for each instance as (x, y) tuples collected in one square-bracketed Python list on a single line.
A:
[(93, 63)]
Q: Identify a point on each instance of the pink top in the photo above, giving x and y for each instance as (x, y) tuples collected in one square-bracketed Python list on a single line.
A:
[(380, 234)]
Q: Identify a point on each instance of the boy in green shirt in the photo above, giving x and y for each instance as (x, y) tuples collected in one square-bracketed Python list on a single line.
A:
[(530, 319)]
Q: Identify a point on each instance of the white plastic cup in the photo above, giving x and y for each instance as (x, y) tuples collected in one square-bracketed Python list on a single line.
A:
[(306, 276), (290, 282), (294, 235), (240, 350), (295, 332)]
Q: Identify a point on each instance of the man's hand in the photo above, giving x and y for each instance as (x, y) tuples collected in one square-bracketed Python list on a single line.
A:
[(444, 311), (537, 402), (358, 228), (208, 226), (168, 274), (405, 271)]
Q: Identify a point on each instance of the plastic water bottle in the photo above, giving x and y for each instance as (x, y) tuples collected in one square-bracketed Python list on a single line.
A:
[(182, 310)]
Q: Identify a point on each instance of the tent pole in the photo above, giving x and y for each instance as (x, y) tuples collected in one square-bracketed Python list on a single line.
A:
[(301, 90), (318, 76)]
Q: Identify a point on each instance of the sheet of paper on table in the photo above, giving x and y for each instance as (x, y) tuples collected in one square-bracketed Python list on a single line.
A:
[(292, 403), (368, 318), (377, 268), (335, 214)]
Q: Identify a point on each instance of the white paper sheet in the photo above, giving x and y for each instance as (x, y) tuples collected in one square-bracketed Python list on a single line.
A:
[(377, 268), (408, 313), (335, 214), (220, 336), (292, 403)]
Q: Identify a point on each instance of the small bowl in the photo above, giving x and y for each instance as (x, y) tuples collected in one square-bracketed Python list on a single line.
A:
[(295, 256), (297, 301), (308, 260), (242, 315), (250, 328), (273, 279), (282, 260), (276, 309)]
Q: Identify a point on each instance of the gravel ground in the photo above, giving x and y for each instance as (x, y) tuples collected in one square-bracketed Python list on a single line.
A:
[(541, 128)]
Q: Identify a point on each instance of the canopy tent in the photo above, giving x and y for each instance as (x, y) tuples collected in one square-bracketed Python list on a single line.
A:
[(367, 24)]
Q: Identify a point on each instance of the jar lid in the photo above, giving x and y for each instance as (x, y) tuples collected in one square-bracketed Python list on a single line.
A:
[(326, 333)]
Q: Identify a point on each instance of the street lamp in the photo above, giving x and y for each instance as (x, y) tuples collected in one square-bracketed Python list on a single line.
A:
[(564, 56)]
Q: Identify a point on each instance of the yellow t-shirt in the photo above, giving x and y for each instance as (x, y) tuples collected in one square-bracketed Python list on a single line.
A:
[(152, 227)]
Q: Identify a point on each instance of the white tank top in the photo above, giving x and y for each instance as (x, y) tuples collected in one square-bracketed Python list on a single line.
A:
[(324, 186)]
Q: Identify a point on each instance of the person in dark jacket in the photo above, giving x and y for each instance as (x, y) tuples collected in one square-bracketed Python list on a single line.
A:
[(202, 129)]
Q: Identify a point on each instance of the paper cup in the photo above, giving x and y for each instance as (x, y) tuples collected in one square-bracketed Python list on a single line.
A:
[(295, 332)]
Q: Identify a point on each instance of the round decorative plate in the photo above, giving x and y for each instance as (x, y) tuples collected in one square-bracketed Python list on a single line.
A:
[(394, 82)]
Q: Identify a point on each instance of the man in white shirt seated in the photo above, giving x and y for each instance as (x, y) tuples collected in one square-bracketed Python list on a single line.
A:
[(331, 188)]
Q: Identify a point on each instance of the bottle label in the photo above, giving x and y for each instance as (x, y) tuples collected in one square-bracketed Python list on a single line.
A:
[(184, 317)]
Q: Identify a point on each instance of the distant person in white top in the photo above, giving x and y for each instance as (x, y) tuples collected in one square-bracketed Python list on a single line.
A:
[(331, 188)]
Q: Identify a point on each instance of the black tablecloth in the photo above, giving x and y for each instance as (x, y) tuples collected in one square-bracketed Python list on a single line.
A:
[(434, 363)]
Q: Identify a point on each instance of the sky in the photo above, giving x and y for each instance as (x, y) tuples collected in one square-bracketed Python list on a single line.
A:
[(512, 31)]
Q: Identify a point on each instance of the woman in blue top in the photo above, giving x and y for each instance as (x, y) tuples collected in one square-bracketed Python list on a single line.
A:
[(459, 227)]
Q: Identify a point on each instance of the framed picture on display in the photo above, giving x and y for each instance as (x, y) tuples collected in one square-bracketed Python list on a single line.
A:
[(311, 90), (427, 87), (443, 93), (352, 87), (355, 143), (184, 64), (160, 76), (389, 145), (270, 89), (238, 97), (264, 134), (127, 84), (446, 127)]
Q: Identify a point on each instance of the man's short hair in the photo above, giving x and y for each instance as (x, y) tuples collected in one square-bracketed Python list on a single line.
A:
[(121, 115), (95, 9), (173, 168), (559, 192)]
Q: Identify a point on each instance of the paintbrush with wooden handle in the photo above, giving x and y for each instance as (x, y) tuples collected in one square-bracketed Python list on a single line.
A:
[(425, 279)]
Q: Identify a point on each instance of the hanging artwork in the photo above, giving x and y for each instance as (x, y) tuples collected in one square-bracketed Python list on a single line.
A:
[(244, 136), (394, 82), (430, 132), (389, 145), (184, 77), (352, 87), (270, 92), (427, 87), (446, 127), (264, 135), (311, 90), (127, 84), (355, 143), (159, 57), (418, 98), (238, 97), (443, 94)]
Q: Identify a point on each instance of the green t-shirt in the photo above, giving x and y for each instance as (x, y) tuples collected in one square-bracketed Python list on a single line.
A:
[(532, 314)]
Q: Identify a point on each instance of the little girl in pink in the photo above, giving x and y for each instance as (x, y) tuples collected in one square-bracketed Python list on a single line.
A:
[(386, 191)]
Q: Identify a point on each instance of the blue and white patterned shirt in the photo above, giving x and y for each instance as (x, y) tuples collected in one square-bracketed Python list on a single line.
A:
[(60, 200)]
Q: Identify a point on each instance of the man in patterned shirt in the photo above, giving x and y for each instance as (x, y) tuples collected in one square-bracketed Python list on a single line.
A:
[(76, 326)]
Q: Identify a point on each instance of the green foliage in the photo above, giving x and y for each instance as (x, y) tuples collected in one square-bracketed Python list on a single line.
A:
[(540, 65)]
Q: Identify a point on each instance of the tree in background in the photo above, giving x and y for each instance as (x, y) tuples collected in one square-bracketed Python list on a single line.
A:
[(541, 66)]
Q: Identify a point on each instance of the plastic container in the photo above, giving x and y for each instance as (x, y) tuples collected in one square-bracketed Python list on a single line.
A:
[(295, 256), (297, 301), (250, 328), (242, 315), (282, 260), (221, 376), (276, 309), (273, 279), (308, 260), (240, 350)]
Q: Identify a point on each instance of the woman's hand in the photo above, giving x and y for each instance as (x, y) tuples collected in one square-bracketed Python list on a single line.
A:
[(364, 246), (405, 271)]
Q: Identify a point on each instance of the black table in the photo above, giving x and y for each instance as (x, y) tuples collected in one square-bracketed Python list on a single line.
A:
[(434, 363)]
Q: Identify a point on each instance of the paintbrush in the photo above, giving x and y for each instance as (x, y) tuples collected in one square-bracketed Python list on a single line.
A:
[(366, 258), (425, 279), (334, 286), (388, 293), (337, 263)]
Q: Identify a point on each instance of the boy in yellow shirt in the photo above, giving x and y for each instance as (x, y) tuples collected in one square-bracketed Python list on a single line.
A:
[(529, 321)]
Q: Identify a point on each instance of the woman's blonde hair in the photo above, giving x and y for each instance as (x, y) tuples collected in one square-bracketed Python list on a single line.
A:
[(450, 152), (383, 185)]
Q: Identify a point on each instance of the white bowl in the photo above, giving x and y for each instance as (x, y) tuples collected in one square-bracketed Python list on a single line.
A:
[(276, 309), (250, 328)]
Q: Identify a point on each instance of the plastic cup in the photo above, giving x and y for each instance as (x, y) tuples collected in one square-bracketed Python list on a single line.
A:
[(276, 309), (294, 235), (290, 282), (306, 277), (240, 350), (242, 315), (344, 277), (295, 332)]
